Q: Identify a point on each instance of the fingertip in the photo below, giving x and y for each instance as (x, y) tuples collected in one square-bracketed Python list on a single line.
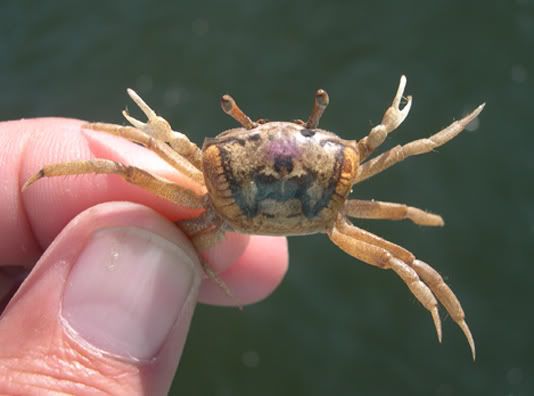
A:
[(225, 253), (255, 274)]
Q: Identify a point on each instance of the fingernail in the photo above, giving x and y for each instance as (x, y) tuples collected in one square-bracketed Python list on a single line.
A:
[(126, 291)]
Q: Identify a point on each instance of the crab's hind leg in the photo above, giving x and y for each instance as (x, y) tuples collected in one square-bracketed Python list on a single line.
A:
[(157, 135), (363, 209), (424, 282), (417, 147)]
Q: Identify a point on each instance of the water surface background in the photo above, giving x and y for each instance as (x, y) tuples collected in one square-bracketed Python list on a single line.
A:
[(335, 326)]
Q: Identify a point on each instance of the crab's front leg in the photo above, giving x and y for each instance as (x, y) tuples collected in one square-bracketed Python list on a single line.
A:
[(157, 135), (423, 281), (393, 117)]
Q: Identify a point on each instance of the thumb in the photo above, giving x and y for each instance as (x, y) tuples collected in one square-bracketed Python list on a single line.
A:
[(106, 309)]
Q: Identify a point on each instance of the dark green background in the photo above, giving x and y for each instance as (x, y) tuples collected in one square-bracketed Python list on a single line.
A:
[(335, 326)]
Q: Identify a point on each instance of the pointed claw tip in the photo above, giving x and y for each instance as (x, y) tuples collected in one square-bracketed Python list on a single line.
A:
[(478, 110), (25, 186), (469, 336), (437, 324), (32, 180)]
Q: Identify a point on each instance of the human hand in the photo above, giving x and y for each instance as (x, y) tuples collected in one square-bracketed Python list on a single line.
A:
[(108, 303)]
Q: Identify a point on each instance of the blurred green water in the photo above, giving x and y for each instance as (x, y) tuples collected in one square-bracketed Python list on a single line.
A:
[(335, 326)]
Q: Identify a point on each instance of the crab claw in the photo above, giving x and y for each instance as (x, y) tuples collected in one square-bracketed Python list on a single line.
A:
[(394, 115), (156, 126)]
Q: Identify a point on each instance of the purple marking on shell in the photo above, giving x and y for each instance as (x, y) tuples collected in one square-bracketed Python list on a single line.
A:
[(283, 148)]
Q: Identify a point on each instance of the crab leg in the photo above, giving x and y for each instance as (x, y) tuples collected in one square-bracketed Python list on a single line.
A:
[(205, 230), (139, 177), (393, 117), (424, 282), (363, 209), (157, 135), (417, 147), (176, 159)]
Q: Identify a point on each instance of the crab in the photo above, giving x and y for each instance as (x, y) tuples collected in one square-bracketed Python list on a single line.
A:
[(287, 178)]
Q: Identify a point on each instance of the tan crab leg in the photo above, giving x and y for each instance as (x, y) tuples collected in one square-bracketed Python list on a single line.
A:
[(176, 159), (205, 231), (393, 117), (158, 186), (154, 134), (377, 251), (352, 240), (417, 147), (320, 103), (230, 107), (445, 296), (362, 209)]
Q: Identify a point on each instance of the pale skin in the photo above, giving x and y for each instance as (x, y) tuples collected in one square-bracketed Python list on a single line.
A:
[(177, 150)]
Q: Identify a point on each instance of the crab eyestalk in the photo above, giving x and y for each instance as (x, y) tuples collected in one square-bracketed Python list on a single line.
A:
[(319, 105), (230, 107)]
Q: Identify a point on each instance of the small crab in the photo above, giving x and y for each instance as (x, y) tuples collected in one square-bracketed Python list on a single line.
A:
[(286, 178)]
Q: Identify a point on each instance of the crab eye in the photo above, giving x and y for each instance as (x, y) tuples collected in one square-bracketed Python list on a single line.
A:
[(307, 132)]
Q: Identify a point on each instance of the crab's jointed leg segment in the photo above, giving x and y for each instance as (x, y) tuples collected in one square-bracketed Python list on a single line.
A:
[(363, 209), (156, 127), (178, 159), (417, 147), (139, 177), (352, 240), (320, 103), (230, 107), (205, 231), (424, 282), (393, 117), (445, 296)]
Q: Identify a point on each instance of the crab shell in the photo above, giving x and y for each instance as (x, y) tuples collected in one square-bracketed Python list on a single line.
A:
[(279, 178)]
